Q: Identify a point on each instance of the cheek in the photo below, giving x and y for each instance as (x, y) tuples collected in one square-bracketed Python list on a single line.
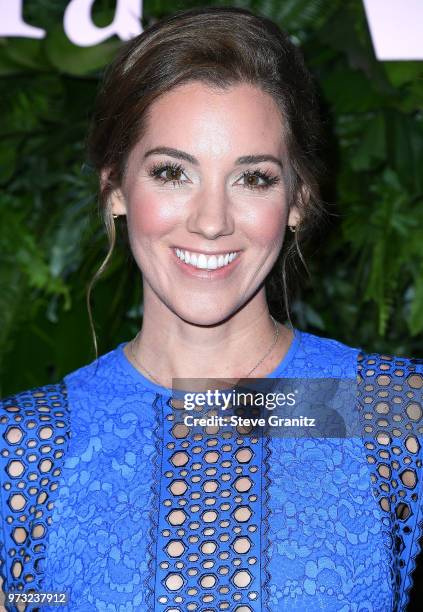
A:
[(151, 215), (266, 223)]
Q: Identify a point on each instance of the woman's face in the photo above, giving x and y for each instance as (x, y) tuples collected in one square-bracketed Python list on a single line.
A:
[(194, 195)]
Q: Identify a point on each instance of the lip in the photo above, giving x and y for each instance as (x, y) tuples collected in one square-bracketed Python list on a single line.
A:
[(218, 274)]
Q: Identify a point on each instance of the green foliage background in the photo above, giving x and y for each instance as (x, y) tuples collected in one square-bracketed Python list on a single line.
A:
[(366, 286)]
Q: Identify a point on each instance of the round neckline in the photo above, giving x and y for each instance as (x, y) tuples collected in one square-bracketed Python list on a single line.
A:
[(138, 377)]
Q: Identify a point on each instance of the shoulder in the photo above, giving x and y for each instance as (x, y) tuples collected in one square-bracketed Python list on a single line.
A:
[(102, 372), (332, 356), (390, 394), (50, 394), (391, 385), (41, 406), (329, 346), (36, 399), (37, 413), (386, 369), (322, 356)]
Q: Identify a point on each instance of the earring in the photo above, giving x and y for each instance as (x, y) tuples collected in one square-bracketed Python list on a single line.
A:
[(292, 228), (116, 216)]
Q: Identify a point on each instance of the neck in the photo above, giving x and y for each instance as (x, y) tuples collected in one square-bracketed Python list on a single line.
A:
[(169, 347)]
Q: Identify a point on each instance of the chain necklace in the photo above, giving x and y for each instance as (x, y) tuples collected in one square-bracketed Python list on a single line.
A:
[(272, 346)]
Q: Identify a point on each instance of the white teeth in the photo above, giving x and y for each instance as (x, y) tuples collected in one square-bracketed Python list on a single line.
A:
[(202, 262), (205, 262), (212, 262)]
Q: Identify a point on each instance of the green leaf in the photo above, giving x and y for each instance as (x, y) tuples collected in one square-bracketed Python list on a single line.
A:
[(371, 147), (350, 91), (78, 61), (294, 15), (8, 155), (416, 310), (347, 32), (399, 73), (26, 52), (8, 66)]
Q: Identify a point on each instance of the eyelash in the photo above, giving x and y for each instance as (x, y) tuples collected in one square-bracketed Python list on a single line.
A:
[(158, 168)]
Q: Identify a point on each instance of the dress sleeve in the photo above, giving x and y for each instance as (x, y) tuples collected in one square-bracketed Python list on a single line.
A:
[(34, 432), (390, 403)]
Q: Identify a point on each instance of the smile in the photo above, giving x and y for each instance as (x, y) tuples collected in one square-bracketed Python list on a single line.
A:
[(203, 261)]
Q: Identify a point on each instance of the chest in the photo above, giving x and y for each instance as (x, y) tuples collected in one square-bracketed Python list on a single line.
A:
[(290, 524)]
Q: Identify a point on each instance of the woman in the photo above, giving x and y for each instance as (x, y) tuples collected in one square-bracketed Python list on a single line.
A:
[(205, 140)]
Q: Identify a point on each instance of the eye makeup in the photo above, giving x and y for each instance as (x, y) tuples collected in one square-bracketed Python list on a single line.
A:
[(176, 169)]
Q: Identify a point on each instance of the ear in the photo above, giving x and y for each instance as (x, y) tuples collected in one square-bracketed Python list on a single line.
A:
[(294, 216), (117, 201)]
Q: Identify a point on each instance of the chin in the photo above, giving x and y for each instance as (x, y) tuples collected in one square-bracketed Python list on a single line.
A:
[(203, 316)]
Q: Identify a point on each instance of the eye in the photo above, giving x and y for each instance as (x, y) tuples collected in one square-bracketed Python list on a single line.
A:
[(173, 170), (266, 176)]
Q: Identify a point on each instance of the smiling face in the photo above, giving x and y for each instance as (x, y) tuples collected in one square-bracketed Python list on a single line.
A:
[(205, 225)]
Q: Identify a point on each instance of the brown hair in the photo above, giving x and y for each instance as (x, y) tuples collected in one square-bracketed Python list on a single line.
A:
[(221, 47)]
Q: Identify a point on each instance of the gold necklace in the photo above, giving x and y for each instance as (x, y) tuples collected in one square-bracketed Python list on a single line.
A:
[(272, 346)]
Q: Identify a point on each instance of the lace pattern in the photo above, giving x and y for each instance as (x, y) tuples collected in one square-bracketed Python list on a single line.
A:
[(208, 533), (36, 433), (390, 398), (219, 524)]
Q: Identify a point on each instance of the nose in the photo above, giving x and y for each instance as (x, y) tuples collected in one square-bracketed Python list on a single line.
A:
[(210, 214)]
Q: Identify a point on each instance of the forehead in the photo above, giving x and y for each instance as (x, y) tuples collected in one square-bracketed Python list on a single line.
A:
[(215, 122)]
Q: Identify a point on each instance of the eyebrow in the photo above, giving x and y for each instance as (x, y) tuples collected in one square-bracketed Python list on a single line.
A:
[(245, 159)]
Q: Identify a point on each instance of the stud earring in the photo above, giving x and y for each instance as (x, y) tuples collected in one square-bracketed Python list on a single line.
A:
[(292, 228), (116, 216)]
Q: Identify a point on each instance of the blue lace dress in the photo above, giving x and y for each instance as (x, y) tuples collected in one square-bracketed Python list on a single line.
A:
[(104, 499)]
